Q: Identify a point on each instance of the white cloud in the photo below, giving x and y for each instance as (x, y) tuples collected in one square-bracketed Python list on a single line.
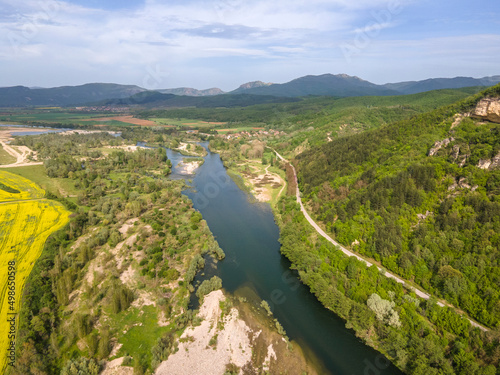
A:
[(71, 42)]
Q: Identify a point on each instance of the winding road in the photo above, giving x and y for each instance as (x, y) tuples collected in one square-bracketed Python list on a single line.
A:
[(349, 253)]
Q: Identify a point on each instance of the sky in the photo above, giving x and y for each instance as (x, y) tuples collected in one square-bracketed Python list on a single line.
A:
[(224, 43)]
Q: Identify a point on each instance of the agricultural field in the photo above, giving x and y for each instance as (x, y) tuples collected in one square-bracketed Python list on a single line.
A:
[(187, 123), (26, 221), (69, 118), (48, 116)]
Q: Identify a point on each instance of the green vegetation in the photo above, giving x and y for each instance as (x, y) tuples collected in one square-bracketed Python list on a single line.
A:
[(319, 111), (208, 286), (422, 217), (130, 220), (38, 174), (431, 219), (5, 157), (418, 336)]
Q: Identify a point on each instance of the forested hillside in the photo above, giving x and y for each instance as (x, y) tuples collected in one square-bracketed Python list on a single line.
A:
[(422, 197)]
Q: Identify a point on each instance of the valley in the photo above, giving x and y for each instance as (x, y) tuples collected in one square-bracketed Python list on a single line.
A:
[(373, 219)]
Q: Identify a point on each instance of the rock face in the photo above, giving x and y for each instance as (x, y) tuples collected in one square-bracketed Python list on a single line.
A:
[(490, 163), (438, 144), (488, 109)]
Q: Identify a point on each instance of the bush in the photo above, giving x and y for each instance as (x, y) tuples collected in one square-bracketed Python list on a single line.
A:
[(81, 366), (208, 286)]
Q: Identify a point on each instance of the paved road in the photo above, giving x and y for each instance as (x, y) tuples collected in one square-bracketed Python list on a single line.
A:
[(418, 292)]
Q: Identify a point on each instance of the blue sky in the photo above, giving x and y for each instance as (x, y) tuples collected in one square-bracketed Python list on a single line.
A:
[(224, 43)]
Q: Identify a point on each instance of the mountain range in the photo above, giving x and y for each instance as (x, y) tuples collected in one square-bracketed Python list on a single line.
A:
[(341, 85), (345, 85)]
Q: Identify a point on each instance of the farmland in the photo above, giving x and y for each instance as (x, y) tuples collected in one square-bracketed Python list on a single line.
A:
[(26, 221), (188, 123), (70, 118)]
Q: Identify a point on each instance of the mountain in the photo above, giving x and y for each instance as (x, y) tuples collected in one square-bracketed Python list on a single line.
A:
[(250, 85), (154, 99), (322, 85), (340, 85), (414, 87), (188, 91), (20, 96), (345, 85)]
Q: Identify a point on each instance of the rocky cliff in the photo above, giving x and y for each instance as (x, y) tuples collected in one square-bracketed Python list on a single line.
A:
[(488, 109)]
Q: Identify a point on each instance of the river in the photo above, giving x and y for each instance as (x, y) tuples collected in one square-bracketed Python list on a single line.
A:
[(247, 233)]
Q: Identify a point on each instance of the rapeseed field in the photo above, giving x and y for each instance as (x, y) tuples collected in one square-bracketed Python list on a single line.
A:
[(26, 221)]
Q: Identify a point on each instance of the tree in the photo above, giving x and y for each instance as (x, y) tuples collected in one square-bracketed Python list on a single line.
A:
[(383, 310), (81, 366)]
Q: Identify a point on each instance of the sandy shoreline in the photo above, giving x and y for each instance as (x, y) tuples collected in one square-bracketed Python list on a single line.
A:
[(188, 168), (199, 355)]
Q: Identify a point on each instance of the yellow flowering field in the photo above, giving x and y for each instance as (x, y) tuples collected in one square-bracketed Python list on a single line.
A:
[(26, 221), (26, 189)]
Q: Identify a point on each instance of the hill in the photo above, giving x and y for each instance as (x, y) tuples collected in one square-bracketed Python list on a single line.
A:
[(188, 91), (323, 85), (154, 99), (414, 87), (421, 196), (345, 85), (20, 96), (340, 85), (250, 85)]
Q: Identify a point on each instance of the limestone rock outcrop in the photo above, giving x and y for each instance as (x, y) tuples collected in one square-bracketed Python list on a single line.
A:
[(490, 164), (488, 109), (438, 144)]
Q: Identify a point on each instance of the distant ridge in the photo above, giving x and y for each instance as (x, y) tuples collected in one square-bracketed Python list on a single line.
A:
[(20, 96), (188, 91), (414, 87), (250, 85), (339, 85), (346, 85), (324, 85)]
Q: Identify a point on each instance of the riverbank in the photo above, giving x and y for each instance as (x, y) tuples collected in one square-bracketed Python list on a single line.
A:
[(231, 337), (265, 182)]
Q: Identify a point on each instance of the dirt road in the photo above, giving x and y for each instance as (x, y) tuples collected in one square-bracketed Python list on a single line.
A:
[(21, 157)]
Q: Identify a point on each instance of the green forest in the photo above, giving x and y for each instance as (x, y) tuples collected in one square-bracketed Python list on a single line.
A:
[(418, 336), (412, 197)]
